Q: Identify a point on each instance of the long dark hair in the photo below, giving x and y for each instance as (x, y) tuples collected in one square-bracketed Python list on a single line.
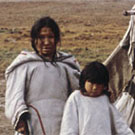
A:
[(94, 72), (38, 25)]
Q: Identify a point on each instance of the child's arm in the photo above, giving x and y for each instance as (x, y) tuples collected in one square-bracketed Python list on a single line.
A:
[(119, 126), (70, 120)]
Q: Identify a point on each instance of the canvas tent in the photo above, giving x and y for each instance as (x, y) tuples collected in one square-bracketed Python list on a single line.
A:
[(121, 66)]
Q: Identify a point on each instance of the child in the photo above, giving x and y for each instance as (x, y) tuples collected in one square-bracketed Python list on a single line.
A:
[(89, 111)]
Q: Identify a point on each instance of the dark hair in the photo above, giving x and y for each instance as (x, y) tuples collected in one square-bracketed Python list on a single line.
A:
[(94, 72), (39, 24)]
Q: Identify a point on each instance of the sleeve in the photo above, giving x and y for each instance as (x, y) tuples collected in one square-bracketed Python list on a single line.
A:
[(119, 126), (14, 97), (73, 74), (70, 122)]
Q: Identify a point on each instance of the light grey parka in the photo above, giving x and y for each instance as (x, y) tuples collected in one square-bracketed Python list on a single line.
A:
[(84, 115), (44, 85)]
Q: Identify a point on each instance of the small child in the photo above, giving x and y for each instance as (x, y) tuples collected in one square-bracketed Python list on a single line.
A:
[(90, 111)]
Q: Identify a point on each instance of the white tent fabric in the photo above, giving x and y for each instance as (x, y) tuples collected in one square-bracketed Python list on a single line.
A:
[(121, 66)]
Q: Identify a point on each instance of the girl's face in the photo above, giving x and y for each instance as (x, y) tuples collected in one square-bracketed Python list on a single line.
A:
[(93, 89), (46, 43)]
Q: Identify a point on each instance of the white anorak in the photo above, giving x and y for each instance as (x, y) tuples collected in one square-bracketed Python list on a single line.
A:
[(44, 85), (85, 115)]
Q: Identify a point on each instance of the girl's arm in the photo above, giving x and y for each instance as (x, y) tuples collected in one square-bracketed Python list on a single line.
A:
[(70, 122), (119, 126)]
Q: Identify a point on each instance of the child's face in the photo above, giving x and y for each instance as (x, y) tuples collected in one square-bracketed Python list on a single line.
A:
[(94, 89)]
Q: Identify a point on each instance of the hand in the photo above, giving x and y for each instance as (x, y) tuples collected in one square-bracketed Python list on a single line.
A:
[(22, 127), (125, 13)]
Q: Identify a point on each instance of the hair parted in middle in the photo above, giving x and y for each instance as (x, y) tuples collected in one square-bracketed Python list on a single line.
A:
[(39, 24)]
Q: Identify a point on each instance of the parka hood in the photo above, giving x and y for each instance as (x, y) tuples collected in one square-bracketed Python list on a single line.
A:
[(26, 56)]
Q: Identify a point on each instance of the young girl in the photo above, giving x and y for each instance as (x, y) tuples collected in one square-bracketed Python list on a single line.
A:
[(89, 111)]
